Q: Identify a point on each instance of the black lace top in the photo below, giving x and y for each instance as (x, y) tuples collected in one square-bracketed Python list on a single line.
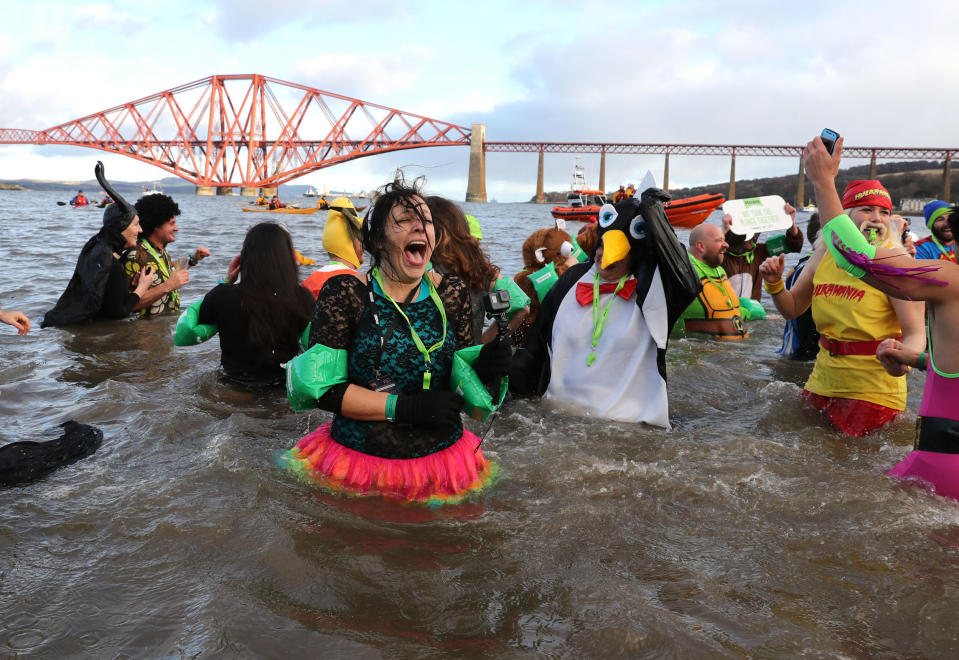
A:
[(344, 320)]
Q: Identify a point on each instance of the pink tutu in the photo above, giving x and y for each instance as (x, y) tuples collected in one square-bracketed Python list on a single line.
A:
[(932, 470), (446, 477)]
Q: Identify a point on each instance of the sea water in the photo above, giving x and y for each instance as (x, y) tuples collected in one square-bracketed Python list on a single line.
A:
[(750, 530)]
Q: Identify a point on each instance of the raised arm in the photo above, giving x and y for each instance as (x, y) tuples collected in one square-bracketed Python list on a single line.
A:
[(793, 302), (892, 271)]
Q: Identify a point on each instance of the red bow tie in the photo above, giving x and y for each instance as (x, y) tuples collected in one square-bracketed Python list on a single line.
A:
[(584, 290)]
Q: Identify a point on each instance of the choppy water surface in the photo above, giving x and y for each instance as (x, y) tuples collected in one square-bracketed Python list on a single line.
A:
[(749, 530)]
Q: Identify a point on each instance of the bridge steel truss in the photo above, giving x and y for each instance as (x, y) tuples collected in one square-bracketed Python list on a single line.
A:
[(728, 150), (900, 153), (246, 130)]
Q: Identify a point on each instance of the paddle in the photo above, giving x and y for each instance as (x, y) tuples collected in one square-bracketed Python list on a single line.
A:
[(61, 203)]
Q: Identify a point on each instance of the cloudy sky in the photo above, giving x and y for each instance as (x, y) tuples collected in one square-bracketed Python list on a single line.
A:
[(749, 72)]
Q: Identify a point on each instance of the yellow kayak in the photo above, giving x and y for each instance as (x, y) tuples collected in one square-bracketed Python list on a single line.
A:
[(249, 209)]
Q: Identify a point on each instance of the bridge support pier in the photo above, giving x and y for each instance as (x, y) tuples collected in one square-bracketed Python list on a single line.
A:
[(801, 186), (872, 167), (205, 190), (248, 191), (224, 191), (732, 177), (540, 197), (602, 171), (268, 192), (947, 179), (476, 183), (666, 173)]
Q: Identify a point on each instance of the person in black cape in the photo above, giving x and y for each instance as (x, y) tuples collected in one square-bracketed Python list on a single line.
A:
[(98, 288)]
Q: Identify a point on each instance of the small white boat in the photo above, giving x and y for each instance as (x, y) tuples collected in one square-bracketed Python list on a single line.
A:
[(156, 190), (311, 192)]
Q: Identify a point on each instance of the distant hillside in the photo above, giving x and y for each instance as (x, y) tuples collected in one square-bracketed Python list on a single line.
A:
[(173, 186), (915, 178)]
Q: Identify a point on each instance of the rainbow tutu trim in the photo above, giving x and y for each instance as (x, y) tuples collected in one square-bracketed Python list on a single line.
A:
[(932, 470), (446, 477)]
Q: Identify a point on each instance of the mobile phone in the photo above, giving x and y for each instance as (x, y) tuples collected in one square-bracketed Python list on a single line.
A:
[(829, 137)]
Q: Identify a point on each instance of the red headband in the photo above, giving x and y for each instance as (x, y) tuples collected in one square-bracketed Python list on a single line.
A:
[(866, 193)]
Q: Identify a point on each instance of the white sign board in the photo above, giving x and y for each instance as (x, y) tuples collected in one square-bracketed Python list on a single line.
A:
[(758, 214)]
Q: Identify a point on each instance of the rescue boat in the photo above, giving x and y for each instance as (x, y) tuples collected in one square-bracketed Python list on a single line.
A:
[(582, 204), (688, 212)]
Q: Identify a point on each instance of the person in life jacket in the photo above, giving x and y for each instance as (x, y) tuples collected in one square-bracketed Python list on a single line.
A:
[(343, 242), (942, 243), (79, 200), (716, 311), (847, 382), (275, 203), (158, 220), (619, 195)]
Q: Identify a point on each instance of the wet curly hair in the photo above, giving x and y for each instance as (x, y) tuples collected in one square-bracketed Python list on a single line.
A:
[(400, 192), (458, 251), (154, 210)]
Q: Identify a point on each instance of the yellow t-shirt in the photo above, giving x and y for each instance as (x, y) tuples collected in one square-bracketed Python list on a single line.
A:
[(848, 309)]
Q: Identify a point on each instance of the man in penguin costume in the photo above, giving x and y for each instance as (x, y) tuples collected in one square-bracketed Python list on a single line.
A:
[(599, 342)]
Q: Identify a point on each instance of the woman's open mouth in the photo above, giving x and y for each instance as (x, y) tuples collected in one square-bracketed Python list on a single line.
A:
[(416, 253)]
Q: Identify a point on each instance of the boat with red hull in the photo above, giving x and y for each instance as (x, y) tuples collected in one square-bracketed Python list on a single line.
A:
[(688, 212)]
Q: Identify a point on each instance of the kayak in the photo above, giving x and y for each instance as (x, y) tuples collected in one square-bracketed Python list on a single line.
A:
[(688, 212), (283, 210)]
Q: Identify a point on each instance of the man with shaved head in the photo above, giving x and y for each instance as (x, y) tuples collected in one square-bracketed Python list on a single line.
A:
[(716, 310)]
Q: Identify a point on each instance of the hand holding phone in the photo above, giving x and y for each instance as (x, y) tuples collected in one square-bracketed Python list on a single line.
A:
[(829, 137)]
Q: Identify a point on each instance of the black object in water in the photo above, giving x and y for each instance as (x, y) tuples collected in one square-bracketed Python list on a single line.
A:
[(22, 462)]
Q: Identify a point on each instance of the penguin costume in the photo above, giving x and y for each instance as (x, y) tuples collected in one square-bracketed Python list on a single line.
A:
[(606, 353), (98, 288)]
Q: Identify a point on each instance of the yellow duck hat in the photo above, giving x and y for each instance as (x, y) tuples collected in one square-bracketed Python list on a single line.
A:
[(343, 224)]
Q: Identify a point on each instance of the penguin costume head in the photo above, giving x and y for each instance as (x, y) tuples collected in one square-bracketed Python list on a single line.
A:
[(638, 231), (622, 236)]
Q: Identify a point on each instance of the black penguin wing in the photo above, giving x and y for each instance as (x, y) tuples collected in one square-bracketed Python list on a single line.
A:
[(681, 283)]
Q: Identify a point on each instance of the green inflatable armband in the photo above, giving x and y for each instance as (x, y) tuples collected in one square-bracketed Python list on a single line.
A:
[(474, 225), (544, 279), (578, 252), (477, 403), (751, 310), (309, 375), (517, 297), (189, 331), (305, 337), (842, 228)]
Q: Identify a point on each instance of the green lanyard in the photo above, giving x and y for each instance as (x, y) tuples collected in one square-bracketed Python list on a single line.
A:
[(599, 322), (715, 280), (420, 346), (164, 266), (749, 254)]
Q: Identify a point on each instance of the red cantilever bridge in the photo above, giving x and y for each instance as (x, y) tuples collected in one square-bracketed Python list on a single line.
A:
[(246, 130), (254, 131)]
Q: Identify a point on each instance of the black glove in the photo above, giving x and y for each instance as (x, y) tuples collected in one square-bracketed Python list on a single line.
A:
[(493, 361), (429, 408)]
